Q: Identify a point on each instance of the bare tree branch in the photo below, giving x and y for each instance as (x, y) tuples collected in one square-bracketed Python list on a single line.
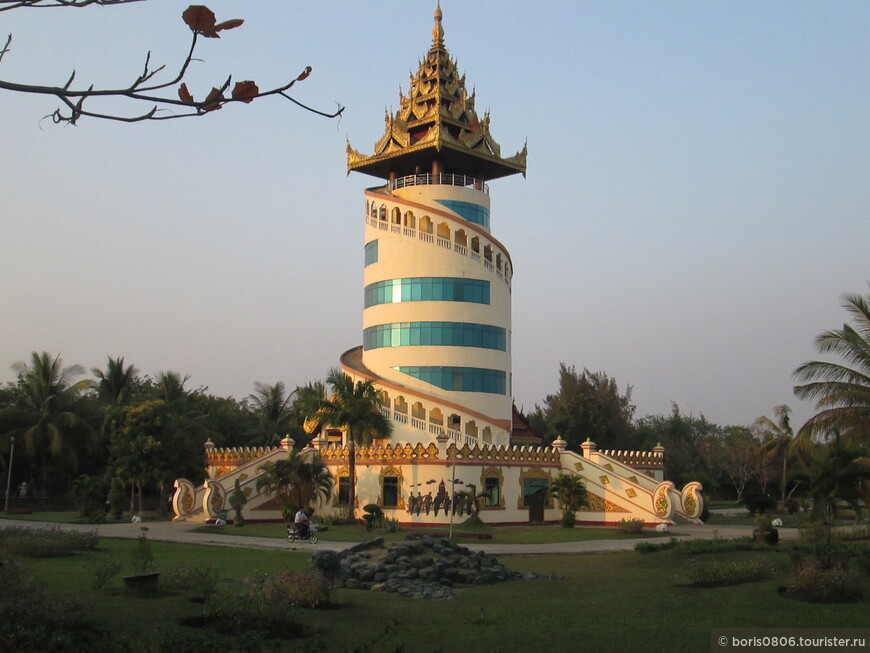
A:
[(9, 5), (202, 23)]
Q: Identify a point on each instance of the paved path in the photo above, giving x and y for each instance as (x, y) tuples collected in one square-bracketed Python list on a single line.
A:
[(183, 532)]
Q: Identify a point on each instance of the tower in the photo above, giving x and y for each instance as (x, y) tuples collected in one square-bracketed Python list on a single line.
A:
[(437, 283)]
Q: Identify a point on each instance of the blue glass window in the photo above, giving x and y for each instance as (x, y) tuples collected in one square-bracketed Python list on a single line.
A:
[(471, 212), (427, 289), (371, 252), (459, 379), (449, 334)]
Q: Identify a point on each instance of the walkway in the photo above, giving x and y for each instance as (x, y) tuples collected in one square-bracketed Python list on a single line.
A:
[(183, 532)]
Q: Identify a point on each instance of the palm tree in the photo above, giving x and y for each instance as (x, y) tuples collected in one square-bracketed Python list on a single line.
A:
[(296, 483), (306, 403), (114, 387), (572, 495), (273, 408), (50, 409), (170, 387), (778, 440), (840, 471), (842, 390), (356, 408)]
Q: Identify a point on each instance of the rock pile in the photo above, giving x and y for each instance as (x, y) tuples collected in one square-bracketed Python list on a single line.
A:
[(417, 568)]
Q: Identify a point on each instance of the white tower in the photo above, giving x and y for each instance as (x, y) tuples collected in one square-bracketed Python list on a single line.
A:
[(437, 316)]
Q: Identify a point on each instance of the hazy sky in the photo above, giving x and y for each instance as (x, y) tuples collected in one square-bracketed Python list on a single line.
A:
[(697, 196)]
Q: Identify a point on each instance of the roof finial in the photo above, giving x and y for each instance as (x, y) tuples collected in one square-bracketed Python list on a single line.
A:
[(438, 30)]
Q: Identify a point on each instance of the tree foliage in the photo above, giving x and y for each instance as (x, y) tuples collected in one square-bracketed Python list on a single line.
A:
[(354, 407), (589, 405), (841, 389), (296, 483), (165, 95), (49, 417)]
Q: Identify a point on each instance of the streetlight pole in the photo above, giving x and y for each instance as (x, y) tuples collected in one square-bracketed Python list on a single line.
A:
[(9, 473)]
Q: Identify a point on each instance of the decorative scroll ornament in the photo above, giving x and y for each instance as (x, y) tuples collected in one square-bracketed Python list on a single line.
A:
[(183, 500), (692, 501), (662, 503), (215, 499)]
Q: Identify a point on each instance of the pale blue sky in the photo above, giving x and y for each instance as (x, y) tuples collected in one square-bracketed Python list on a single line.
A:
[(697, 197)]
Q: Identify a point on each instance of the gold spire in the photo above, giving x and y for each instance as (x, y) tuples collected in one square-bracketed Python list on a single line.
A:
[(437, 124), (438, 30)]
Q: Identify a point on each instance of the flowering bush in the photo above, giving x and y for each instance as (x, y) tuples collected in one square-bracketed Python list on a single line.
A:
[(729, 572), (813, 581), (202, 580), (630, 526), (48, 542)]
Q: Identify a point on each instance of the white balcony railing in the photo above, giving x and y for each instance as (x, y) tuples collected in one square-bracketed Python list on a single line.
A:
[(440, 179)]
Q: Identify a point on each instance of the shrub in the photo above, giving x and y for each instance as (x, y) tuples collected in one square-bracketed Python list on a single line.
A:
[(631, 526), (812, 581), (116, 498), (697, 547), (48, 542), (32, 620), (759, 503), (728, 572), (102, 571), (270, 605), (651, 547), (201, 580), (142, 557), (373, 517)]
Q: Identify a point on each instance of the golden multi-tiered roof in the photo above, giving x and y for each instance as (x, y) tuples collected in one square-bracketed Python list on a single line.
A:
[(436, 127)]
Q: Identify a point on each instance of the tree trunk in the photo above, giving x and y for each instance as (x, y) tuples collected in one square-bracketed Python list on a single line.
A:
[(784, 462), (351, 470)]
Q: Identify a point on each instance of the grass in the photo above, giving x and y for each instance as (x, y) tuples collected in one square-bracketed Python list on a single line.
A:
[(500, 534), (610, 602)]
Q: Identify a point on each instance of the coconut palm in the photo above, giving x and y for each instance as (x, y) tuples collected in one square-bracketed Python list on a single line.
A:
[(572, 495), (841, 389), (296, 483), (354, 407), (50, 414), (273, 408), (114, 387), (779, 441)]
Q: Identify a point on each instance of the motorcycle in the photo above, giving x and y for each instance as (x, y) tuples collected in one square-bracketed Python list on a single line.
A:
[(293, 534)]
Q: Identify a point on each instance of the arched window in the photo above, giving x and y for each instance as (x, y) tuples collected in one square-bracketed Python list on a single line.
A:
[(410, 220), (436, 417), (487, 253), (383, 212), (487, 435), (471, 429), (461, 238), (385, 398), (417, 411), (498, 261), (475, 244), (400, 405), (396, 216), (444, 231), (426, 224)]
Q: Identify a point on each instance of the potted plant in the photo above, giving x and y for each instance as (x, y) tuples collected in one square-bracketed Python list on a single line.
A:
[(764, 532), (144, 580)]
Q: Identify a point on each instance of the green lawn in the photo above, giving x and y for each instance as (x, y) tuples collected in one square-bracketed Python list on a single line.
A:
[(606, 602)]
